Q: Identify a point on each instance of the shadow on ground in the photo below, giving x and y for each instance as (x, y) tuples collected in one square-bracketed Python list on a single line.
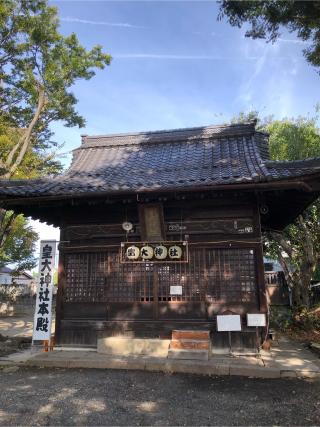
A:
[(34, 396)]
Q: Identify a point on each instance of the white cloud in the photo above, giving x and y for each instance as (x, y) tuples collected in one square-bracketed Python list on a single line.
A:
[(293, 41), (247, 91), (178, 57), (107, 24)]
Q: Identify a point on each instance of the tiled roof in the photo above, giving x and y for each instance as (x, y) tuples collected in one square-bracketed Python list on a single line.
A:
[(163, 160)]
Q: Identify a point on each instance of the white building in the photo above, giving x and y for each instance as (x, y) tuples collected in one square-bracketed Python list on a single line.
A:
[(24, 280)]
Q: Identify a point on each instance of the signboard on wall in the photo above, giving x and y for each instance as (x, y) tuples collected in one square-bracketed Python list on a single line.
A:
[(157, 252), (212, 226), (43, 312)]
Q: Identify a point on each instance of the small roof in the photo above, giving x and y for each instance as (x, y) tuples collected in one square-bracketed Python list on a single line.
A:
[(7, 270), (181, 159)]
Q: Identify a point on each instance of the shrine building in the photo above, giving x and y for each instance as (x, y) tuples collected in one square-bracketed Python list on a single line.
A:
[(161, 231)]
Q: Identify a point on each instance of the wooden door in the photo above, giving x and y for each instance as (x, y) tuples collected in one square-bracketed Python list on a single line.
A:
[(190, 304)]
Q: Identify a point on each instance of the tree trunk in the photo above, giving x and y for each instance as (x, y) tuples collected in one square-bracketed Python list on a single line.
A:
[(298, 275), (18, 152), (300, 295)]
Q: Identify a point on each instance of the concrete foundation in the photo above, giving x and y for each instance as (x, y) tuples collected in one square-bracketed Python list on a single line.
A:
[(122, 346)]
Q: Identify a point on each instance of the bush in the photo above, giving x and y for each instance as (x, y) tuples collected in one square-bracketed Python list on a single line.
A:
[(9, 293), (280, 318), (306, 320)]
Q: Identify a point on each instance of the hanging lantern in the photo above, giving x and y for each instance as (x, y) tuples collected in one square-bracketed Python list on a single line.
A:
[(146, 252), (175, 252), (160, 252), (132, 252)]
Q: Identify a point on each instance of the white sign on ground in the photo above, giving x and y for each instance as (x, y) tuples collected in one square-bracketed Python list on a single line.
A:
[(228, 322), (43, 313), (256, 320)]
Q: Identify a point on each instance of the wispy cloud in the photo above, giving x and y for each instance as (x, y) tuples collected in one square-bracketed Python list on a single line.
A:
[(293, 41), (179, 57), (107, 24)]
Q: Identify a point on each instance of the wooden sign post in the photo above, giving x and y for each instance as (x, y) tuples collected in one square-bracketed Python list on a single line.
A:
[(229, 323), (256, 320)]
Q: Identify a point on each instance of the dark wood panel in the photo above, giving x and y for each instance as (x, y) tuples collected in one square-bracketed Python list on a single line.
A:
[(85, 311), (130, 311), (236, 225), (182, 310)]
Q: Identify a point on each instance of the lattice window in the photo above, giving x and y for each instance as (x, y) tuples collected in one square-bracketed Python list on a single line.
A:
[(99, 277), (212, 275), (231, 275)]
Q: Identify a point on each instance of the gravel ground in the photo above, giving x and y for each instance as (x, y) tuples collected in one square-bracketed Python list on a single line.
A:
[(34, 396)]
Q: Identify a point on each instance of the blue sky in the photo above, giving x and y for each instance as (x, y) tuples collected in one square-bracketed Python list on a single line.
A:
[(174, 65)]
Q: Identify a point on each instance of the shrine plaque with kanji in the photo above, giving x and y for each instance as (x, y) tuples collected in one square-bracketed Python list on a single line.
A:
[(43, 312)]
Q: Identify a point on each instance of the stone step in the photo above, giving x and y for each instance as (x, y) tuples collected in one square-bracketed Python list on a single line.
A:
[(190, 344), (190, 334), (188, 354)]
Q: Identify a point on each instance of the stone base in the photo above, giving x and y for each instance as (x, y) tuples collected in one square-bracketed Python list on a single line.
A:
[(133, 346), (188, 354)]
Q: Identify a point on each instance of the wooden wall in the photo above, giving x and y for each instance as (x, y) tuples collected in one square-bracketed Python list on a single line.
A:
[(99, 296)]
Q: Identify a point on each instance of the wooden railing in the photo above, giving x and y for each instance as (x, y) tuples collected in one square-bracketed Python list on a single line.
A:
[(277, 288), (274, 278)]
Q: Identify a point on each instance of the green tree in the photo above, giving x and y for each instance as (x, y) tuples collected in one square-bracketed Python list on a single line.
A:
[(17, 242), (293, 139), (38, 68), (36, 161), (298, 247), (266, 17)]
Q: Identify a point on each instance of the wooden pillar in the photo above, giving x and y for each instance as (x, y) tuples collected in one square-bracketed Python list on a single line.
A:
[(60, 292), (155, 282), (263, 305)]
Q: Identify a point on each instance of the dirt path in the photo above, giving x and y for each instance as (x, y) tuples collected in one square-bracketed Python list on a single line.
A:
[(109, 397), (18, 326)]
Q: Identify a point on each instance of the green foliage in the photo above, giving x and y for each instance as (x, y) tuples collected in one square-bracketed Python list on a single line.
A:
[(286, 319), (317, 274), (35, 163), (38, 68), (280, 317), (246, 117), (289, 138), (305, 320), (293, 139), (266, 17), (295, 235), (19, 246)]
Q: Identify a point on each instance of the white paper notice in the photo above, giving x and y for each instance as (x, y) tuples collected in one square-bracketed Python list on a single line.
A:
[(228, 322), (175, 290), (256, 319)]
